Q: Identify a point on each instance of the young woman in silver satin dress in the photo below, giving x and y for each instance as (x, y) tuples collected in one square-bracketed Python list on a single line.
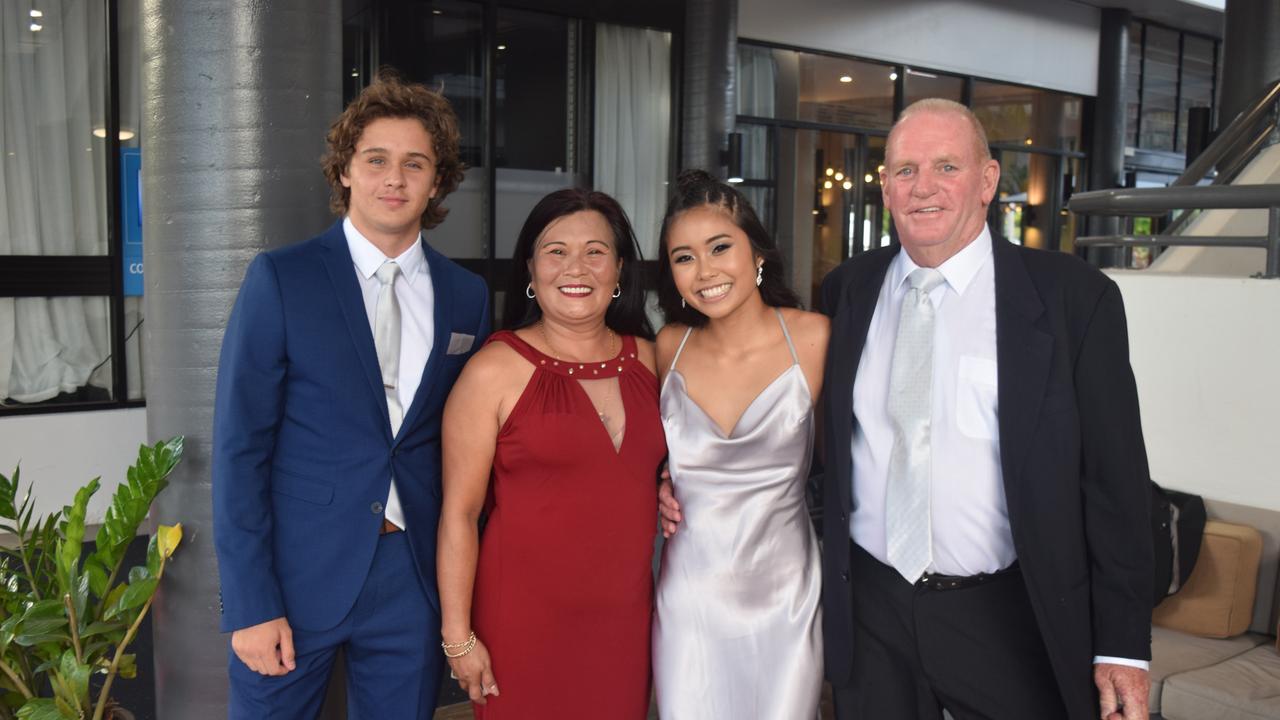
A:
[(737, 628)]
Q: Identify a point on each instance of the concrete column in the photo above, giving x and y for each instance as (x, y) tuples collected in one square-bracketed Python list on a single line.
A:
[(1106, 166), (238, 95), (1250, 53), (709, 101)]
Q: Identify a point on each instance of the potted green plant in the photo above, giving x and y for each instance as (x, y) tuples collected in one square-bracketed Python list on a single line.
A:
[(66, 621)]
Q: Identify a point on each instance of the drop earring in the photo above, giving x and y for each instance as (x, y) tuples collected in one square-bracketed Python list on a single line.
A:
[(759, 274), (682, 305)]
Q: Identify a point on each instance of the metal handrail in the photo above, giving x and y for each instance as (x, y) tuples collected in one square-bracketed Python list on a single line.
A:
[(1136, 202), (1229, 137), (1186, 194)]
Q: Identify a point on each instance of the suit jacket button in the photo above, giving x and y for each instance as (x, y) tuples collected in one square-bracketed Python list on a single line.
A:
[(375, 508)]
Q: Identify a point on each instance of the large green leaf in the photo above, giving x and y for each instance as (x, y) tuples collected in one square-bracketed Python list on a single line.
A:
[(8, 496), (69, 544), (129, 507), (43, 621), (74, 677), (43, 709)]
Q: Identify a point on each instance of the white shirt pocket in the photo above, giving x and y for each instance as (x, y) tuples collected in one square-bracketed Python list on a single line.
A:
[(976, 398)]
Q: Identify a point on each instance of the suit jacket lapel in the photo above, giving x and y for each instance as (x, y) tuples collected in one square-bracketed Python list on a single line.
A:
[(1024, 350), (849, 336), (442, 312), (339, 265)]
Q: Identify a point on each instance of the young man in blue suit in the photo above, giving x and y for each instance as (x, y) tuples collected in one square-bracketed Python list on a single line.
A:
[(335, 367)]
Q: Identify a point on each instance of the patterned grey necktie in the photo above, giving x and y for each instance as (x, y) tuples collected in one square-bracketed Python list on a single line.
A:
[(386, 339), (907, 523)]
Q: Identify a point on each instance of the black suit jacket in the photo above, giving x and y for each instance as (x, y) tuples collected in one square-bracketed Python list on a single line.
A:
[(1071, 452)]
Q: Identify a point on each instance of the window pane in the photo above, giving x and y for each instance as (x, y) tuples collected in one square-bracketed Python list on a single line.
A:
[(1072, 182), (1132, 83), (1159, 89), (61, 350), (761, 79), (921, 85), (633, 125), (845, 92), (1013, 114), (536, 118), (441, 46), (1197, 80), (53, 144)]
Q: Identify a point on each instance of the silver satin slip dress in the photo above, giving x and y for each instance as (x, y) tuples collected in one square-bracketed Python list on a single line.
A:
[(737, 626)]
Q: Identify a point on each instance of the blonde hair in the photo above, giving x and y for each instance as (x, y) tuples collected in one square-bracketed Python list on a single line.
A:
[(941, 106)]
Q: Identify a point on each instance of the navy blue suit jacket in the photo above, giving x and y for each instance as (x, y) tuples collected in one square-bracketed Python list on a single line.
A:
[(303, 456)]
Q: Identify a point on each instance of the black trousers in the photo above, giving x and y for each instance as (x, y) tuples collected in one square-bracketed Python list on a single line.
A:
[(975, 651)]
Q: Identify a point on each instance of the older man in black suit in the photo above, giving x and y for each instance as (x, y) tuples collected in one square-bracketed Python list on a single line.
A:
[(987, 543)]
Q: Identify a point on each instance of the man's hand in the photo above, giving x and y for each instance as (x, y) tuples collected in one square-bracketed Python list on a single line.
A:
[(668, 508), (1122, 691), (266, 648)]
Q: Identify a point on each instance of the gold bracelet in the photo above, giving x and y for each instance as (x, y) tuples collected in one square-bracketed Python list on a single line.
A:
[(467, 646)]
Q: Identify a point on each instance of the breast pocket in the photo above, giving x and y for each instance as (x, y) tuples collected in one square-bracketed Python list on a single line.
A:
[(976, 398)]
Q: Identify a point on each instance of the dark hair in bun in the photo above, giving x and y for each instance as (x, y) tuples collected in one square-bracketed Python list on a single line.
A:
[(699, 188)]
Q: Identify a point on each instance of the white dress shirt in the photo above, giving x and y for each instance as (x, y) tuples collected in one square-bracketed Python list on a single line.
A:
[(417, 319), (968, 512)]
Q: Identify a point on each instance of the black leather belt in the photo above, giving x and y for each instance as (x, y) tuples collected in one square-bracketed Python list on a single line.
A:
[(933, 581)]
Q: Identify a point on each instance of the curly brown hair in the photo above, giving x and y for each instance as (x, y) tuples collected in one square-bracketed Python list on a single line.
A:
[(390, 97)]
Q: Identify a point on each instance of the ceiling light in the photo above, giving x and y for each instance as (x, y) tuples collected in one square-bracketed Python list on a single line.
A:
[(1027, 141), (36, 27), (355, 72), (880, 169), (839, 176), (735, 180), (101, 132), (847, 185), (869, 177), (437, 12), (893, 76), (921, 73), (37, 13), (830, 172), (826, 184), (846, 79), (502, 47)]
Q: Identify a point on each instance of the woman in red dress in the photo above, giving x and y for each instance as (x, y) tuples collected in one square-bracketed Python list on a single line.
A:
[(553, 430)]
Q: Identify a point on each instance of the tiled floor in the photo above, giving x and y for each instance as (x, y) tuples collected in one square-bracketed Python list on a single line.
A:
[(462, 711)]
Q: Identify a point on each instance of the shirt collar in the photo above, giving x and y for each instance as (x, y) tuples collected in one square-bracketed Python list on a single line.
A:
[(368, 258), (958, 270)]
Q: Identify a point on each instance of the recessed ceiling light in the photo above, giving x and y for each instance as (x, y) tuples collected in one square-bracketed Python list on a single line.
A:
[(893, 76), (101, 132), (831, 171), (1027, 141), (869, 177), (36, 27), (826, 184), (502, 47), (839, 176), (848, 185), (846, 79), (37, 13), (437, 12)]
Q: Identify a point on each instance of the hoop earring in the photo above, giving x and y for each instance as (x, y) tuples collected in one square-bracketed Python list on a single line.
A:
[(617, 291), (682, 305), (759, 274), (528, 291)]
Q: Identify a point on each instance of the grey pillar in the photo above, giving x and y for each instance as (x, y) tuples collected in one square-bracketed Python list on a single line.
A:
[(1106, 161), (238, 95), (1250, 53), (709, 100)]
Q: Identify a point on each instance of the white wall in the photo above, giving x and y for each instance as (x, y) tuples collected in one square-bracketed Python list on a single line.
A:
[(60, 452), (1047, 44), (1206, 355)]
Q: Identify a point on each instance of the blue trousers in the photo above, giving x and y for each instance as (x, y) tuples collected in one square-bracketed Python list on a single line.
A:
[(391, 640)]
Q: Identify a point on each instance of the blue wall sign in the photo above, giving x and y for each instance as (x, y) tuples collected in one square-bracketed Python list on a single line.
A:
[(131, 217)]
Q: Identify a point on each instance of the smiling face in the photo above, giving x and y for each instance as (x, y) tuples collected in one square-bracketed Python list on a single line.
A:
[(574, 268), (936, 184), (392, 177), (712, 261)]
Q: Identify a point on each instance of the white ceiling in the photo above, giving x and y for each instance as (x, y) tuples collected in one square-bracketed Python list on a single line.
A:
[(1202, 16)]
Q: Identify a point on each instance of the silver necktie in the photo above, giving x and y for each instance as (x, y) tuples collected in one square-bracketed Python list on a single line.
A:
[(386, 339), (907, 523)]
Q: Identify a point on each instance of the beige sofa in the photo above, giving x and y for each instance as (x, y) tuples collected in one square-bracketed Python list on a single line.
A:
[(1213, 645)]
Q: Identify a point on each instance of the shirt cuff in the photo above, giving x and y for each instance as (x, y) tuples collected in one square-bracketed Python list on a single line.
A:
[(1140, 664)]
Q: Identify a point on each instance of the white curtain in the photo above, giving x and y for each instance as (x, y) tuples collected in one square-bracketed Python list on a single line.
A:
[(633, 124), (52, 191)]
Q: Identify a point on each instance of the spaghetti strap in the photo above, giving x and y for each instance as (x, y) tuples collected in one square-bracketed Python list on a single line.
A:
[(685, 339), (795, 359)]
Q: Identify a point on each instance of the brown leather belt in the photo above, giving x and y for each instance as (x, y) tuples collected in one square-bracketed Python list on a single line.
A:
[(389, 527)]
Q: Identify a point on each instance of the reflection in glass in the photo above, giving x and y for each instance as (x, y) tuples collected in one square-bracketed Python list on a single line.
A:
[(1027, 197), (1027, 116), (1197, 81), (1132, 84), (793, 85), (921, 85), (61, 350), (1159, 89)]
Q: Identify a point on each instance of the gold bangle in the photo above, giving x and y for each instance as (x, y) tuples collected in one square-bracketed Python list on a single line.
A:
[(467, 646)]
